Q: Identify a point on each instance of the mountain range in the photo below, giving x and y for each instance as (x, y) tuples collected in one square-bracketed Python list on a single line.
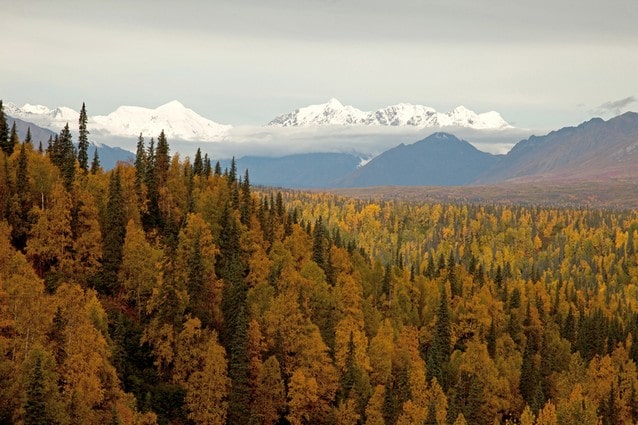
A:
[(592, 151), (182, 123), (177, 121), (403, 114)]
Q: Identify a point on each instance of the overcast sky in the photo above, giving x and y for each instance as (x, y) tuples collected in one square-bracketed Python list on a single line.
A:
[(541, 64)]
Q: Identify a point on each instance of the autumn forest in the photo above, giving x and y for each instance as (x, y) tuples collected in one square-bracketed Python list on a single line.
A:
[(170, 291)]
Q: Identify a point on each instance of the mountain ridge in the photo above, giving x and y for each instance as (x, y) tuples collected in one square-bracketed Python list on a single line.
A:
[(403, 114), (595, 149), (440, 159)]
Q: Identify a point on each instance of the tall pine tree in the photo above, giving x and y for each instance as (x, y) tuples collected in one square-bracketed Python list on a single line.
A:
[(95, 164), (114, 233), (35, 404), (439, 353), (4, 131), (83, 142)]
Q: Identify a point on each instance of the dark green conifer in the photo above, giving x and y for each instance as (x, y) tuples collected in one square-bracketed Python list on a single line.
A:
[(83, 141), (28, 137), (140, 165), (4, 131), (95, 164), (218, 169), (14, 140), (19, 217), (439, 354), (162, 160), (114, 233), (65, 157), (198, 163), (35, 405), (207, 167)]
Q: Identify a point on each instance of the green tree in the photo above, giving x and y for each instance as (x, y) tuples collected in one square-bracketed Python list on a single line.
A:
[(439, 353), (4, 132), (83, 141), (13, 139), (35, 405), (95, 164), (114, 233), (64, 157), (198, 164), (140, 165)]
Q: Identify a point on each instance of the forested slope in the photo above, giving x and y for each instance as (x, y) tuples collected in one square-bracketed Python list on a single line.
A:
[(171, 291)]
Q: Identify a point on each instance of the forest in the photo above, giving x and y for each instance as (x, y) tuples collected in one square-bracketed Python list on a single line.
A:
[(169, 291)]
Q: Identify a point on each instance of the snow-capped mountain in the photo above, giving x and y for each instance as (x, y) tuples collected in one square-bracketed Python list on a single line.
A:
[(177, 121), (403, 114)]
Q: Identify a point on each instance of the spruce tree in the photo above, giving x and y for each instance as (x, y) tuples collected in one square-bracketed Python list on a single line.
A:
[(245, 204), (83, 141), (114, 233), (35, 404), (140, 165), (198, 164), (162, 160), (19, 218), (218, 169), (95, 164), (439, 354), (4, 131), (207, 167), (13, 139), (65, 157), (28, 137)]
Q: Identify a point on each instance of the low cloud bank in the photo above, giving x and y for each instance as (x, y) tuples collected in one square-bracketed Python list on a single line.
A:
[(363, 141)]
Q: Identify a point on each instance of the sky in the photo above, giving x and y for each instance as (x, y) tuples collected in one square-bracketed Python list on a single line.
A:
[(542, 64)]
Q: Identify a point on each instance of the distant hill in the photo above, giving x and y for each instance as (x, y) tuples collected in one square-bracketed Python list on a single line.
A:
[(438, 160), (593, 151), (310, 170), (109, 156)]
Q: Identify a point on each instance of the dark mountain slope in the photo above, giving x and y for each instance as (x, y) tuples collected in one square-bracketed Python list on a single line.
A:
[(438, 160), (594, 150)]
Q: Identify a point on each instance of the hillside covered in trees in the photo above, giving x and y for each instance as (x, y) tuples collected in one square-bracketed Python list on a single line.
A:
[(169, 291)]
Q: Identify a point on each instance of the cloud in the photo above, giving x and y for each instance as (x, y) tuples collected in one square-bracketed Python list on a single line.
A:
[(362, 141), (616, 107)]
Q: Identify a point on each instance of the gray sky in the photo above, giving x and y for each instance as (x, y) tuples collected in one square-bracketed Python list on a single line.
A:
[(542, 64)]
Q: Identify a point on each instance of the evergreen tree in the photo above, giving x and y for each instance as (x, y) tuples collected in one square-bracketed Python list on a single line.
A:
[(4, 132), (232, 174), (218, 169), (198, 164), (162, 160), (95, 164), (114, 233), (245, 203), (140, 166), (13, 139), (318, 243), (439, 354), (28, 137), (35, 404), (239, 399), (19, 217), (65, 157), (207, 167), (83, 141), (152, 218)]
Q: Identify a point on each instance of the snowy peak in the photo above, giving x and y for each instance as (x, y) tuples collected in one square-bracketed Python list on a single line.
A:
[(403, 114), (177, 121), (331, 113)]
